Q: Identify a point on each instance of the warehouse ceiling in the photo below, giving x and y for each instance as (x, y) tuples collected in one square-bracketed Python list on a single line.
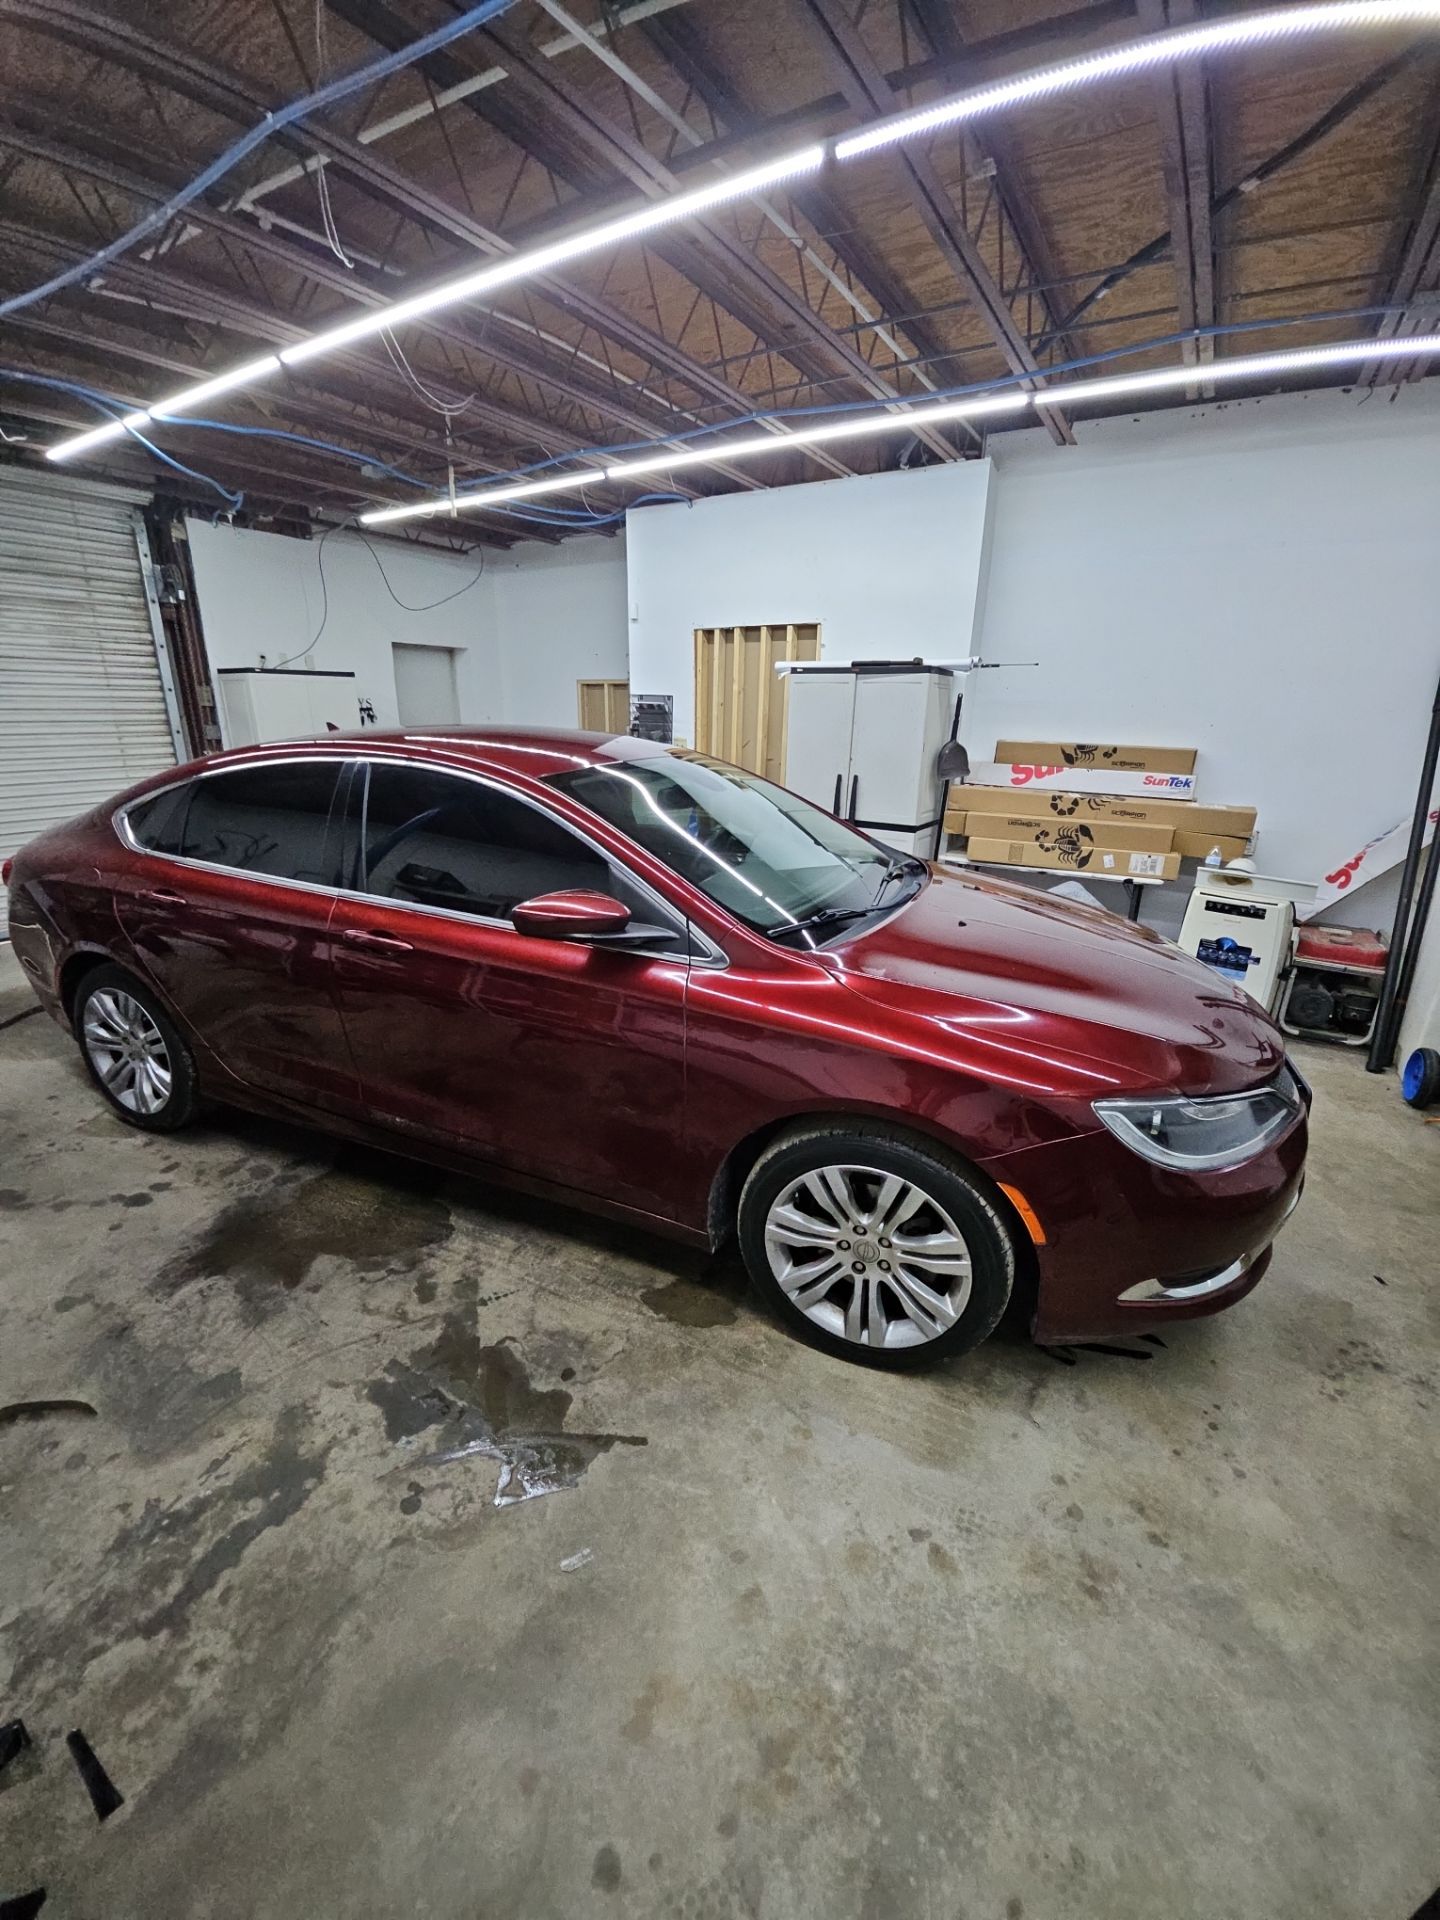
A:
[(1296, 184)]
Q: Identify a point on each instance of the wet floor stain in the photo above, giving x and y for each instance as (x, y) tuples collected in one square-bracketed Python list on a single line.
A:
[(156, 1572), (478, 1400), (711, 1300), (606, 1874), (268, 1241)]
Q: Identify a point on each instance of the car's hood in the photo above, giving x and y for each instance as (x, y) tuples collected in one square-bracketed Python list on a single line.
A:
[(1089, 984)]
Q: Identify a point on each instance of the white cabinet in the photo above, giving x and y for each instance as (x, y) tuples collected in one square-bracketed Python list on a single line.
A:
[(863, 741), (258, 704)]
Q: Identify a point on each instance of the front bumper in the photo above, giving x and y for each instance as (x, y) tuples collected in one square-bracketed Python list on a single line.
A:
[(1130, 1245), (1233, 1281)]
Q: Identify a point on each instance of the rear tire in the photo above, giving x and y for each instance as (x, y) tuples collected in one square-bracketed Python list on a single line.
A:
[(874, 1246), (134, 1053)]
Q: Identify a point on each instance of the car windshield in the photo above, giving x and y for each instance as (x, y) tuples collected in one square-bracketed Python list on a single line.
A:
[(770, 858)]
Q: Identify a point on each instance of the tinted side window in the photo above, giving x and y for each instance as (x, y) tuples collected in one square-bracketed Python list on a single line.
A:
[(272, 820), (159, 824), (441, 841)]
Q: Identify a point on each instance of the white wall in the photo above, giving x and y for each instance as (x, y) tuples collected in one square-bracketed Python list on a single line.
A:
[(525, 627), (1260, 580), (887, 563), (560, 617)]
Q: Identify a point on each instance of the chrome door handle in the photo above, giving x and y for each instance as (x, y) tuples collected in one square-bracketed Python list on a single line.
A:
[(158, 897), (358, 938)]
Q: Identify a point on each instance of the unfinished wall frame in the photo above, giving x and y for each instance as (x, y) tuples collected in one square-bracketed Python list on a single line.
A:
[(740, 700), (603, 705)]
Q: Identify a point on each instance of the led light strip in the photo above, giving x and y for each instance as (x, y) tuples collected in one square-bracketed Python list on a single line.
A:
[(1161, 49), (1069, 393)]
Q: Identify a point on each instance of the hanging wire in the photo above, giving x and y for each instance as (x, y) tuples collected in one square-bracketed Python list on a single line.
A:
[(322, 172), (160, 217), (451, 409)]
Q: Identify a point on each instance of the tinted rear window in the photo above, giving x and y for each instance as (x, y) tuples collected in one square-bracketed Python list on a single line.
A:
[(159, 823), (272, 820)]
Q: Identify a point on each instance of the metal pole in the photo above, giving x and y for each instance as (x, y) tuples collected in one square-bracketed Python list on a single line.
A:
[(1387, 1017)]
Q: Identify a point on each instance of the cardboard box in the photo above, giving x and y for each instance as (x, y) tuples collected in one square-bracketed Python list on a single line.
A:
[(1046, 778), (1073, 753), (1030, 803), (1095, 833), (1196, 846), (1072, 857)]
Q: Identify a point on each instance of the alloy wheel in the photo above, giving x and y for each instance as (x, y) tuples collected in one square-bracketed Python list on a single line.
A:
[(870, 1257), (127, 1050)]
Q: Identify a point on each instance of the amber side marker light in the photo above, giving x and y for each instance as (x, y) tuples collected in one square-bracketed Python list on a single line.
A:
[(1026, 1212)]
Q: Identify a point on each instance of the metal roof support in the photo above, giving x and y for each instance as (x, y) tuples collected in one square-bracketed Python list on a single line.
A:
[(321, 269), (942, 30), (676, 39), (569, 135), (1417, 268), (1345, 108), (869, 92), (1182, 110), (178, 69)]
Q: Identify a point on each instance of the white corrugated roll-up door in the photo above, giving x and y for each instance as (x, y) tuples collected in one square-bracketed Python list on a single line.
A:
[(86, 702)]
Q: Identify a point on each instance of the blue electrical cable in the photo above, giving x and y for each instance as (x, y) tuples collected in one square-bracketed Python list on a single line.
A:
[(272, 124), (560, 516), (115, 409), (938, 394)]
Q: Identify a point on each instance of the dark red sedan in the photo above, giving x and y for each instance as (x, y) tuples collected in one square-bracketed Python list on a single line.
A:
[(638, 980)]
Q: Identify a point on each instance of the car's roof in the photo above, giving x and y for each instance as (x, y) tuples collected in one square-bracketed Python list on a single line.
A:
[(534, 751)]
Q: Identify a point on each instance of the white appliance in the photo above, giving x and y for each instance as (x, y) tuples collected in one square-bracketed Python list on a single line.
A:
[(1243, 926), (863, 741), (281, 703)]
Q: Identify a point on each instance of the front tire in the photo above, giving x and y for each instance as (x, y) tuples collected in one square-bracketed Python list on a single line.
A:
[(874, 1246), (133, 1052)]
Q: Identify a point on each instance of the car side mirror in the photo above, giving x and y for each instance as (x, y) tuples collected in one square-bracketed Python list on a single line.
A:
[(574, 914)]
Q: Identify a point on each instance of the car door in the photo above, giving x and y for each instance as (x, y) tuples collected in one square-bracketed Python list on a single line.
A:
[(552, 1058), (226, 902)]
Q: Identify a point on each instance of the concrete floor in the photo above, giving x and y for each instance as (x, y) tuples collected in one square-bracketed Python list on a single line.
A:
[(1020, 1640)]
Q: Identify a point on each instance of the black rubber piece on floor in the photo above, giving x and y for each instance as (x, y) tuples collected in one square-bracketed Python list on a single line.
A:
[(105, 1796), (37, 1409), (13, 1742), (1428, 1909), (24, 1907)]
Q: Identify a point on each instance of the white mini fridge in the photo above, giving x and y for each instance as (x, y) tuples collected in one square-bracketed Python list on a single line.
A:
[(863, 741)]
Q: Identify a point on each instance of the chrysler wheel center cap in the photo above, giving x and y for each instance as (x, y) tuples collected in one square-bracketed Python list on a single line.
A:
[(866, 1250)]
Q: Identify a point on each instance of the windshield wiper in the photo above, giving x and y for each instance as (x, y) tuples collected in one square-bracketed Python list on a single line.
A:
[(912, 863), (826, 917)]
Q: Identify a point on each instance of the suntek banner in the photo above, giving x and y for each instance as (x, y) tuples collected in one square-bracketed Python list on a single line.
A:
[(1174, 786)]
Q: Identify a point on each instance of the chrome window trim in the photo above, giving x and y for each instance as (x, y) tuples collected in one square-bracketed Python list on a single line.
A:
[(710, 956)]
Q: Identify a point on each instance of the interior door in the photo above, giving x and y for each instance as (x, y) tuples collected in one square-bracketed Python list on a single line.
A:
[(551, 1058), (227, 907), (425, 694)]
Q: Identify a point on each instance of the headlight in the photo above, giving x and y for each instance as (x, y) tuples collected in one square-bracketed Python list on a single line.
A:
[(1201, 1134)]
